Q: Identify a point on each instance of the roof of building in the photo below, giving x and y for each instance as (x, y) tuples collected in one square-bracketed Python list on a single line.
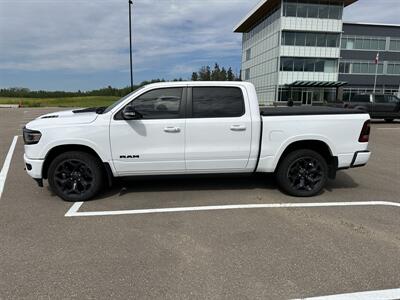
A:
[(317, 84), (371, 24), (262, 9)]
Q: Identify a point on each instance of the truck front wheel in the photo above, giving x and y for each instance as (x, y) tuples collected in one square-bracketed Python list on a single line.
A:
[(302, 173), (75, 176)]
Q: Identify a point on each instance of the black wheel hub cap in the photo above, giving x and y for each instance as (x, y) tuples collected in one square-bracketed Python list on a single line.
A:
[(73, 177), (305, 174)]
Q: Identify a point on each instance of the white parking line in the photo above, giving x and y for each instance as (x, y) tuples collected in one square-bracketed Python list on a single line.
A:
[(73, 211), (6, 166), (370, 295)]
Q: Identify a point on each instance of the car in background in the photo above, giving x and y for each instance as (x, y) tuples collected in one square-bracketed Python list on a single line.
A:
[(379, 106)]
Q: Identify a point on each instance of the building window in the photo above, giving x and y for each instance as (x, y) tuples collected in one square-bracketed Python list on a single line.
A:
[(394, 45), (248, 54), (393, 68), (310, 39), (360, 67), (287, 64), (296, 64), (302, 9), (247, 74), (344, 68), (363, 43), (289, 38)]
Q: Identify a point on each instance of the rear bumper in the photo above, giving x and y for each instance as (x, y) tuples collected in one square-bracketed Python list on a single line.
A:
[(360, 158), (34, 167)]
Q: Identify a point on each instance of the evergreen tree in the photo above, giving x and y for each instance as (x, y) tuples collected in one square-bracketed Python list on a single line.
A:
[(223, 75), (195, 76), (215, 74), (230, 76)]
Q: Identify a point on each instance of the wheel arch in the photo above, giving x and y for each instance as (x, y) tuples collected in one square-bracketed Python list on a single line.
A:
[(57, 150), (318, 146)]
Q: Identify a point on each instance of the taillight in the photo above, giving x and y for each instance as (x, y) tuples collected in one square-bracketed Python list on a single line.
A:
[(365, 131)]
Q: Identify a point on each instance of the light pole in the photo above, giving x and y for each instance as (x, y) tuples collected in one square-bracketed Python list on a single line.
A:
[(130, 42)]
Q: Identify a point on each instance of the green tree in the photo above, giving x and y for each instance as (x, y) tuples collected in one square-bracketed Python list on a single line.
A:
[(223, 75), (230, 76), (215, 74), (195, 76)]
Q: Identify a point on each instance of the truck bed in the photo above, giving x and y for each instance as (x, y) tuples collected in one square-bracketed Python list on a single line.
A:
[(307, 110)]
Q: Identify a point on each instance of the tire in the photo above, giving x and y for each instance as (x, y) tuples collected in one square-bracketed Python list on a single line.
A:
[(297, 177), (389, 120), (75, 176)]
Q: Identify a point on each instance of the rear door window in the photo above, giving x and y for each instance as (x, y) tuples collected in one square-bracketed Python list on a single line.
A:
[(380, 99), (217, 102), (361, 98)]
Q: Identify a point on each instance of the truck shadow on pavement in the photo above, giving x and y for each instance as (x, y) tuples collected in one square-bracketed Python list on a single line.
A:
[(130, 185)]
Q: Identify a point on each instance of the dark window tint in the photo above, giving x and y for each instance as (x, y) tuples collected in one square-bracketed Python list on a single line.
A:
[(311, 39), (380, 99), (319, 66), (313, 11), (324, 11), (344, 67), (322, 40), (290, 9), (217, 102), (300, 38), (335, 12), (287, 64), (289, 38), (310, 65), (392, 99), (361, 98), (299, 65), (332, 40), (159, 104), (302, 10)]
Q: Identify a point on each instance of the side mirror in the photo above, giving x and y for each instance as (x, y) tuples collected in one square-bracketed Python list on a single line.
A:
[(129, 113)]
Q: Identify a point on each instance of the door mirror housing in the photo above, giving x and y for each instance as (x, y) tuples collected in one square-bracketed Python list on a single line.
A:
[(129, 113)]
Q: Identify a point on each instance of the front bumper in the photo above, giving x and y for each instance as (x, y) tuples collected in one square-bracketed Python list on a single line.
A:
[(34, 167)]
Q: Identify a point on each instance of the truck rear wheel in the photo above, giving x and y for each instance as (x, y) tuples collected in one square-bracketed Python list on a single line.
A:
[(302, 173), (75, 176)]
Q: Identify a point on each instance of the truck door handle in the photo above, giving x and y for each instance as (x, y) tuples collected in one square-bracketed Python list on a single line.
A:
[(238, 128), (172, 129)]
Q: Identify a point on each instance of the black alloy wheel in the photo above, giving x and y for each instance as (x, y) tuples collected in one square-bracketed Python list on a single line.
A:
[(302, 173), (305, 174), (75, 176)]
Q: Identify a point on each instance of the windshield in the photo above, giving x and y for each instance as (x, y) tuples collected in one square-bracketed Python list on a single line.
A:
[(116, 103)]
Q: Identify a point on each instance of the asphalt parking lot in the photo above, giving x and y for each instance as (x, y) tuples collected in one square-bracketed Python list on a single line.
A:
[(264, 252)]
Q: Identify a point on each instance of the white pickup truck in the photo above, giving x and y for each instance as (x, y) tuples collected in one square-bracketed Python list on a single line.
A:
[(193, 128)]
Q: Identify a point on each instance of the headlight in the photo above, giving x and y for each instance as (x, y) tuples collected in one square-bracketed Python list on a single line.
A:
[(31, 137)]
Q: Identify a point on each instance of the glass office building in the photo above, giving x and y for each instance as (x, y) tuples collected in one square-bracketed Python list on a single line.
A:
[(301, 50), (359, 46)]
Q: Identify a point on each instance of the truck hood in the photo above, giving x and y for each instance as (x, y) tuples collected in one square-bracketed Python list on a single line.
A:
[(68, 117)]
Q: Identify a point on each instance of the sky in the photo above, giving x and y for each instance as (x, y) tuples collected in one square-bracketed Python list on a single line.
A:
[(84, 44)]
